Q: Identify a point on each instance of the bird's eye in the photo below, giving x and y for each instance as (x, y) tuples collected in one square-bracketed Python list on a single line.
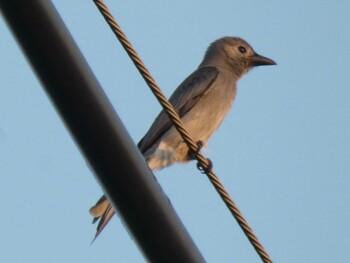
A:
[(242, 49)]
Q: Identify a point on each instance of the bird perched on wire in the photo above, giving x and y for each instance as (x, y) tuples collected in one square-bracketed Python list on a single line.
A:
[(202, 101)]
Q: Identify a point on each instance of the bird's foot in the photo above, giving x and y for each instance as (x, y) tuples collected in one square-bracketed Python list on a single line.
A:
[(193, 154), (205, 170)]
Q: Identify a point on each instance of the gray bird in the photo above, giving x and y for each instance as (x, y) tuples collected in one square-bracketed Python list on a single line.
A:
[(202, 101)]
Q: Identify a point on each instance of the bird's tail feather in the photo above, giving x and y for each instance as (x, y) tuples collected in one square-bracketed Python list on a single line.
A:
[(102, 211)]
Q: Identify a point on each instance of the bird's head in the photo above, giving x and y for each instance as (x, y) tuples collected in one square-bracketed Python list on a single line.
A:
[(236, 55)]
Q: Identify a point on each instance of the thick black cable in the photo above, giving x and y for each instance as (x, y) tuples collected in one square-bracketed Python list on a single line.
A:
[(98, 131)]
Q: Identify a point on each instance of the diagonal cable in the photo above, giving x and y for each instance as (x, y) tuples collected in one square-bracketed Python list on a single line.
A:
[(203, 162)]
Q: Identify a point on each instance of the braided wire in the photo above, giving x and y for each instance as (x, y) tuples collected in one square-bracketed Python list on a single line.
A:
[(203, 162)]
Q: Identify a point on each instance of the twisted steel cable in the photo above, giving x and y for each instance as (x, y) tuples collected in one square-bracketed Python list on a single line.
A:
[(203, 163)]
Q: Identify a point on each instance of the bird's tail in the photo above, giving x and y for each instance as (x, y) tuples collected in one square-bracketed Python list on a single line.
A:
[(102, 211)]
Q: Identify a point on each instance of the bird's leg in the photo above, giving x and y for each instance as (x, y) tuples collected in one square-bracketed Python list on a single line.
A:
[(193, 154)]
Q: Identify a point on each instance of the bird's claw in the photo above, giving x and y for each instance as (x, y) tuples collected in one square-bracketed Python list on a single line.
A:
[(205, 170), (193, 154)]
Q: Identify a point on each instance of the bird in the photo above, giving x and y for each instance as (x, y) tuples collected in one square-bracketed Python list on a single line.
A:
[(202, 101)]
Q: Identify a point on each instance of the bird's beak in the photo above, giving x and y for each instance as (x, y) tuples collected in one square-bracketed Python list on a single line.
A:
[(258, 60)]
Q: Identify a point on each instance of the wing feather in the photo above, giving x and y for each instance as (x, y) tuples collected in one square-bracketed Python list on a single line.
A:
[(190, 91)]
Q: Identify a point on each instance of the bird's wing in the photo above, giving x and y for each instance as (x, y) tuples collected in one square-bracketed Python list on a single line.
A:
[(190, 91)]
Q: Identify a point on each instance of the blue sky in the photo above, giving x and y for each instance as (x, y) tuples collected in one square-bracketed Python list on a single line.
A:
[(283, 152)]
